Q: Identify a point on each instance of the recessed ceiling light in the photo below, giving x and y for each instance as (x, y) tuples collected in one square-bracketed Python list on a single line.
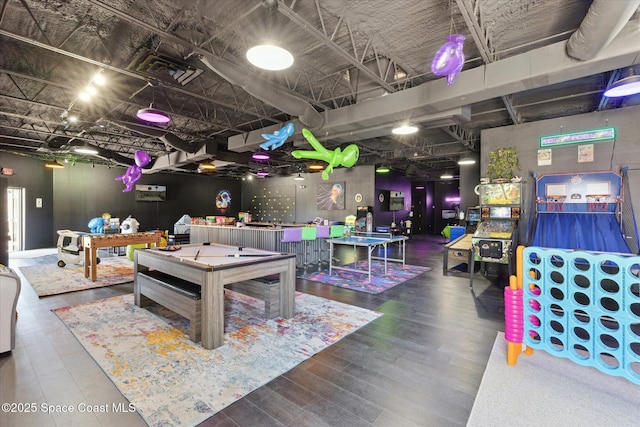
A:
[(405, 129), (268, 56)]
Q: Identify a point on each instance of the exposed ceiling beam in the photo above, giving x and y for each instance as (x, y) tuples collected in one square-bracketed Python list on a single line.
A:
[(537, 68), (135, 76), (470, 13), (318, 35)]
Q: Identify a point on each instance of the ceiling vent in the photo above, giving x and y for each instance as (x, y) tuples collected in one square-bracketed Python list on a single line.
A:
[(170, 70), (362, 86)]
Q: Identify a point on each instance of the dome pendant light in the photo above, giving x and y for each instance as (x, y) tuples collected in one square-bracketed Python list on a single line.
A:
[(446, 175), (270, 57), (54, 165), (405, 129), (624, 87), (467, 160), (86, 149), (151, 115)]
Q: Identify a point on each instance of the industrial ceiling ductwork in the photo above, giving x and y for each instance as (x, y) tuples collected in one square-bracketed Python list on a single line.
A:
[(360, 69)]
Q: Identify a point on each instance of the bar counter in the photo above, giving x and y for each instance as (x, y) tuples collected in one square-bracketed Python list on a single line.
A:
[(259, 237)]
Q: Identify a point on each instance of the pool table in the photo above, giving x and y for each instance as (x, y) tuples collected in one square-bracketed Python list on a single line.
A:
[(214, 265)]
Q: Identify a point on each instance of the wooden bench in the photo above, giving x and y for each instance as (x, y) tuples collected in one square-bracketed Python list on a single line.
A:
[(180, 296), (265, 288), (184, 298)]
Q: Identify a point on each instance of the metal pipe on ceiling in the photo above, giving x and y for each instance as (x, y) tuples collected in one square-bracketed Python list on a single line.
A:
[(265, 91), (604, 20)]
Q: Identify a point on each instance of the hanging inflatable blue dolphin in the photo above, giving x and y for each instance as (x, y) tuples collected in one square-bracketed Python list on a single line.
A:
[(277, 138)]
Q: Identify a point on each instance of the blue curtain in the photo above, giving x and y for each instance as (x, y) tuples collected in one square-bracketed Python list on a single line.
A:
[(592, 232)]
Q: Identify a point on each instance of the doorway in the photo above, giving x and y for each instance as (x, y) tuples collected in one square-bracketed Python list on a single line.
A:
[(15, 205)]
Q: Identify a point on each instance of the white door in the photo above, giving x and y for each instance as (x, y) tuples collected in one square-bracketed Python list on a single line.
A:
[(15, 205)]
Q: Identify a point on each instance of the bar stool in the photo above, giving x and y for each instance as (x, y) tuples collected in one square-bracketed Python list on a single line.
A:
[(322, 232), (336, 231), (308, 235), (292, 235)]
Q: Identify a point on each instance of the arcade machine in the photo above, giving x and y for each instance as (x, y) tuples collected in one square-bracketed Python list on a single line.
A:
[(364, 219), (472, 219), (496, 236), (578, 211), (457, 254)]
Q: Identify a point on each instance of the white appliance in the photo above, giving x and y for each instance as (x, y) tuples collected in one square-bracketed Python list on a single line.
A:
[(129, 225)]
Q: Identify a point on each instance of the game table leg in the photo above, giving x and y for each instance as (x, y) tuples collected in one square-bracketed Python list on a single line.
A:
[(212, 311), (288, 290), (94, 264), (86, 261)]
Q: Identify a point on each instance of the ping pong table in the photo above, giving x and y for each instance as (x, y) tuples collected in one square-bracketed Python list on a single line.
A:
[(370, 241)]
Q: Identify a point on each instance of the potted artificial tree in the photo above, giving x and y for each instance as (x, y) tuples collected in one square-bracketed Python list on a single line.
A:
[(503, 162)]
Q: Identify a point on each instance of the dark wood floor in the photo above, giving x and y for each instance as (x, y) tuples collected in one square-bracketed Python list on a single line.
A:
[(418, 365)]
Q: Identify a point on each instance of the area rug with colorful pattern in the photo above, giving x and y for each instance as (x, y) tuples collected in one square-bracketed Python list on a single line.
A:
[(173, 381), (358, 281), (49, 279)]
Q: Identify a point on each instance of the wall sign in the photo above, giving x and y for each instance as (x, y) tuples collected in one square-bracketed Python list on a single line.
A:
[(578, 137), (585, 153), (544, 157)]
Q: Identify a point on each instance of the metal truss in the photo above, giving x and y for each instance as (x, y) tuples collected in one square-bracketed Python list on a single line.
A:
[(470, 10)]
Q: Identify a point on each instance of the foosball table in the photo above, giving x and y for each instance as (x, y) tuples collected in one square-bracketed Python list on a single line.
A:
[(93, 242)]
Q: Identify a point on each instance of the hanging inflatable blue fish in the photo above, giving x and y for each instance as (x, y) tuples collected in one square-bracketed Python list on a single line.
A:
[(276, 139)]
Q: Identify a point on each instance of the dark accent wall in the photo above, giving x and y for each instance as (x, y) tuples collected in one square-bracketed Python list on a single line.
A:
[(391, 182), (37, 181), (83, 192), (442, 191), (74, 195)]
